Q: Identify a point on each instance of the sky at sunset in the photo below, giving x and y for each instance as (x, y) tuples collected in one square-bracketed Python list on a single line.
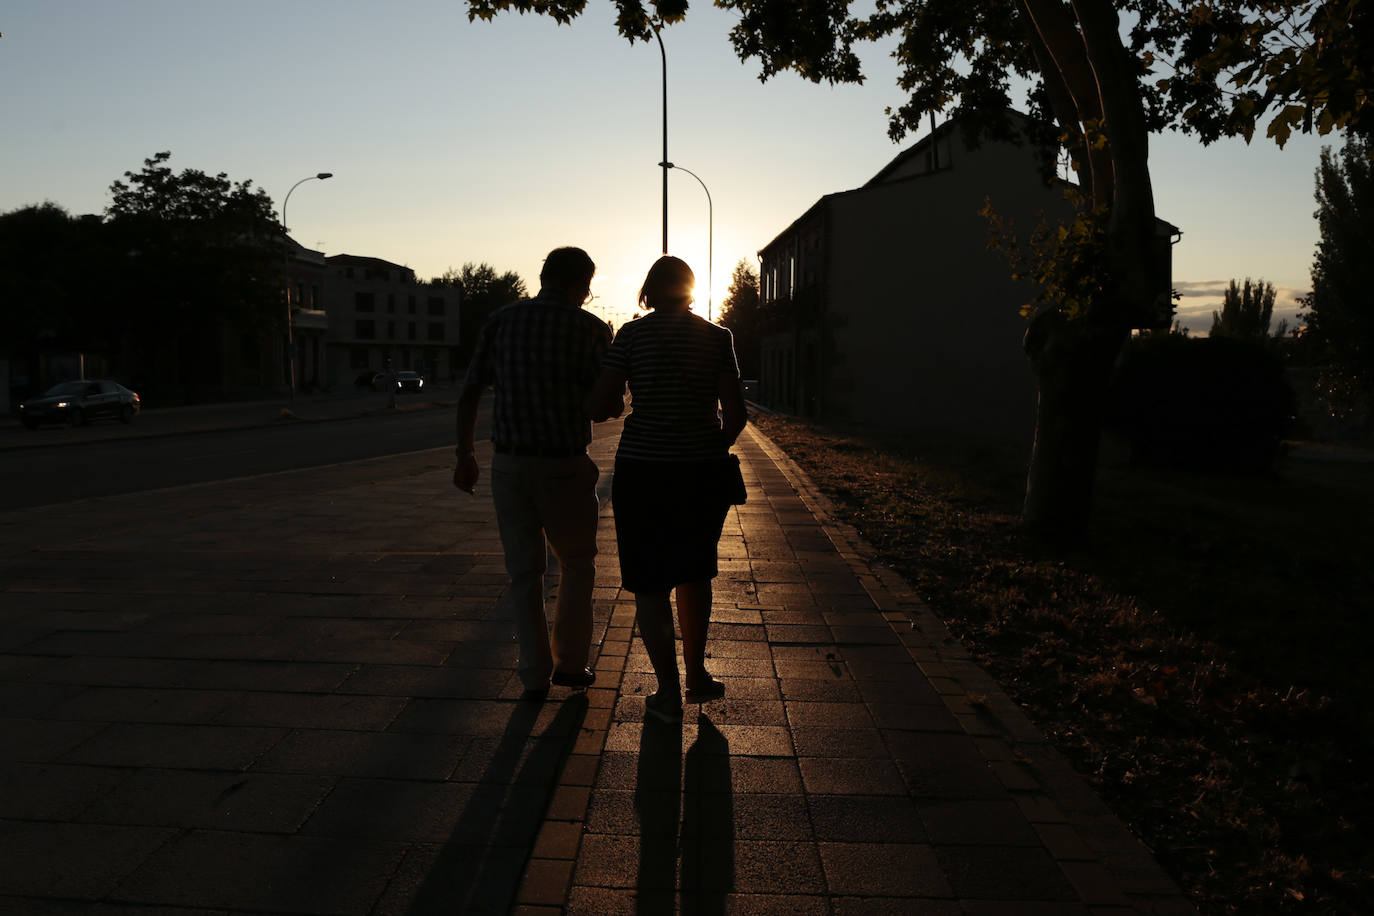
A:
[(454, 142)]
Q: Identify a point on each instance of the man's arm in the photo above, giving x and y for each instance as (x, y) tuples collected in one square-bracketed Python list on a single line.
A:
[(606, 399), (466, 473)]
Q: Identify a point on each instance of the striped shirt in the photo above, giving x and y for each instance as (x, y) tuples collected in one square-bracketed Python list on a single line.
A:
[(673, 362), (542, 356)]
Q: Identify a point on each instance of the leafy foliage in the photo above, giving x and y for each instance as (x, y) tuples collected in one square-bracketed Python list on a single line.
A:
[(1062, 260), (740, 312), (196, 248), (1219, 403), (1307, 64), (484, 291), (1246, 311), (1340, 309), (44, 300)]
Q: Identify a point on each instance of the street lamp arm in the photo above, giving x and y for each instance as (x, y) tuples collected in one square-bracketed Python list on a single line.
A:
[(710, 231), (286, 280)]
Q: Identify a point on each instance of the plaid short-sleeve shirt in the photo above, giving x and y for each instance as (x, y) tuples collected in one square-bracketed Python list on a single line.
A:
[(542, 356)]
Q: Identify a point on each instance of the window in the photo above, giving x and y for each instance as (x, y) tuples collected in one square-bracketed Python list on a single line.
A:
[(435, 331), (364, 302), (391, 330), (365, 329), (314, 297), (357, 358), (410, 304), (348, 272), (391, 302), (410, 330), (436, 305)]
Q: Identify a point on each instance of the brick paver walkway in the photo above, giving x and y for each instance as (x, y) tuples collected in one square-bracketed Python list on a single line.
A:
[(294, 694)]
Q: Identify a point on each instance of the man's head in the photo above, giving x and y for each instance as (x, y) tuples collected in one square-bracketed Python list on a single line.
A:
[(569, 271)]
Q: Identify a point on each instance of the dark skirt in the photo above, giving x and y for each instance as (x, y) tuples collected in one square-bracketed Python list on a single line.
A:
[(668, 519)]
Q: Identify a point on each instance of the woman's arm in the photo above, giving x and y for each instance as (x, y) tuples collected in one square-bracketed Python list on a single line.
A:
[(606, 399), (733, 415)]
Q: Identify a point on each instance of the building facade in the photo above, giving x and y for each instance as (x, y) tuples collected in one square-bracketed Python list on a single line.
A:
[(379, 318), (885, 304)]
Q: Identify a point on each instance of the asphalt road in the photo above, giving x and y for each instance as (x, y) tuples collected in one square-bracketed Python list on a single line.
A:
[(42, 474)]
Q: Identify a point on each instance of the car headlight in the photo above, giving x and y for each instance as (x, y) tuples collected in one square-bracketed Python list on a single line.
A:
[(62, 404)]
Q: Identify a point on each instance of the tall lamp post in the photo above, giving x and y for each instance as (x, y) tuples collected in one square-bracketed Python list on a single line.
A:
[(664, 164), (710, 228), (286, 277)]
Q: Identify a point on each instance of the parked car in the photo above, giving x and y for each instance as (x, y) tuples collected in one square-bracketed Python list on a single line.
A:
[(405, 380), (78, 402), (364, 379)]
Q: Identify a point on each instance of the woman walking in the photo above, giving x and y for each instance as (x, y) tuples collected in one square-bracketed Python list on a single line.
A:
[(686, 410)]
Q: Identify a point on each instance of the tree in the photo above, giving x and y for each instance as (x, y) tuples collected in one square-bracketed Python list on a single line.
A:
[(1246, 311), (1095, 91), (740, 313), (1340, 309), (484, 291), (199, 253)]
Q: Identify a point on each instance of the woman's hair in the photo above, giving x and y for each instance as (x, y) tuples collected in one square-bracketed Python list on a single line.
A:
[(669, 282)]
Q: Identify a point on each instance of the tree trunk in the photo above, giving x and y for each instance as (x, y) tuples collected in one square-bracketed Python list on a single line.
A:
[(1073, 364)]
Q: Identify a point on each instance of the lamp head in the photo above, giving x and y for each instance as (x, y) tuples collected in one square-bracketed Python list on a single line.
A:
[(666, 165), (325, 175)]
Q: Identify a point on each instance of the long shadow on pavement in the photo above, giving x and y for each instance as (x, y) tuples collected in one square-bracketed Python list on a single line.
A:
[(479, 869)]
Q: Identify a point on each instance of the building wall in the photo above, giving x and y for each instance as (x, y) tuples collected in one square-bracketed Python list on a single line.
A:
[(926, 323), (381, 318)]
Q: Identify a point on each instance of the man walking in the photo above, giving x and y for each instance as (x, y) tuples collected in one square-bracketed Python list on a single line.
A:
[(542, 355)]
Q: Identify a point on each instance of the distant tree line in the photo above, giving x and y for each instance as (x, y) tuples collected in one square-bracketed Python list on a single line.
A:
[(183, 271), (148, 286)]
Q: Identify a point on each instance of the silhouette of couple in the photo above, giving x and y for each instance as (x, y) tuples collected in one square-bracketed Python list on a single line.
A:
[(555, 370)]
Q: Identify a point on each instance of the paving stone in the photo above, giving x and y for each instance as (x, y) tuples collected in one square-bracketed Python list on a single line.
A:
[(859, 818), (197, 747), (245, 871), (937, 765), (752, 867), (41, 741), (1004, 873), (831, 741), (83, 861), (992, 822), (836, 776), (831, 690), (222, 801), (715, 773), (53, 792), (895, 906), (300, 710), (350, 753), (883, 870)]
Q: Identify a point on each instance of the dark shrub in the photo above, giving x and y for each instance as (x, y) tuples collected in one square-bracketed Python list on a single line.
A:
[(1216, 404)]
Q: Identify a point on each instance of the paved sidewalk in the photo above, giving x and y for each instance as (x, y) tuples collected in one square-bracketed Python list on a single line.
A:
[(294, 694)]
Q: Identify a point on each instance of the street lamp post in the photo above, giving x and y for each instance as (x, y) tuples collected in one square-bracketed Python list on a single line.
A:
[(286, 278), (664, 164), (710, 229)]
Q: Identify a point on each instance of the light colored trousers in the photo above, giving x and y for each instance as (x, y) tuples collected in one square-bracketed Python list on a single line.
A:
[(542, 503)]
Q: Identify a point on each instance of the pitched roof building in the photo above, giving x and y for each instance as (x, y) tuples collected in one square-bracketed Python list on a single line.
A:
[(886, 305)]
